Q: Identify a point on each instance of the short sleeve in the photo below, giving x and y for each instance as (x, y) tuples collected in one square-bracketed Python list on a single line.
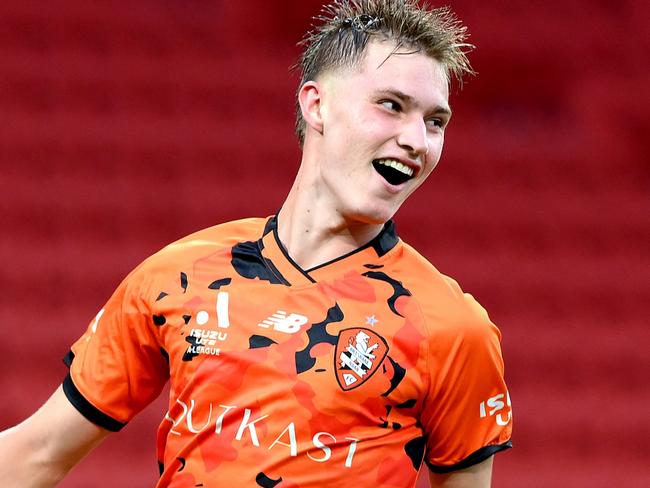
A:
[(116, 366), (468, 414)]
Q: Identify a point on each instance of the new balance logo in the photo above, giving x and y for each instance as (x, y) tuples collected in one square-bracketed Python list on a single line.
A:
[(280, 321)]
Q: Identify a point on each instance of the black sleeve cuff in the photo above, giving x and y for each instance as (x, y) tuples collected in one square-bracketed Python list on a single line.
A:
[(67, 359), (476, 457), (87, 409)]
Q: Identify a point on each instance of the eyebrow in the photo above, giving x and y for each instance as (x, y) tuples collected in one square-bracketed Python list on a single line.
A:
[(439, 110)]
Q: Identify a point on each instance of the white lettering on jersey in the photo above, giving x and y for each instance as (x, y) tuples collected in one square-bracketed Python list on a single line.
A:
[(190, 425), (289, 433), (177, 421), (223, 318), (206, 339), (202, 317), (326, 450), (293, 445), (280, 321), (219, 423), (496, 404), (351, 451), (245, 424)]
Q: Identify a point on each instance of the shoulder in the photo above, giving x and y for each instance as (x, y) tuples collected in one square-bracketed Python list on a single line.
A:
[(215, 237), (447, 310), (210, 246), (206, 242)]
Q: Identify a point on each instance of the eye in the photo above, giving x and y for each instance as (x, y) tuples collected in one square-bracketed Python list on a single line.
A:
[(391, 105), (436, 123)]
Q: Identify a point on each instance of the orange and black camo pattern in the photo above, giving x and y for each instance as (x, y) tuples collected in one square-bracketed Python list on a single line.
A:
[(356, 371)]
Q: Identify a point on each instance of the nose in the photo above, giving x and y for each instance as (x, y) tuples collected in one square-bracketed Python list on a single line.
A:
[(413, 138)]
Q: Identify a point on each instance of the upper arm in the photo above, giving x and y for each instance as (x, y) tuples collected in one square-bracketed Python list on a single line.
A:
[(467, 415), (41, 450), (476, 476)]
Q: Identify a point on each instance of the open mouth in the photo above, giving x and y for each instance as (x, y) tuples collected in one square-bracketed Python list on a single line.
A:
[(393, 171)]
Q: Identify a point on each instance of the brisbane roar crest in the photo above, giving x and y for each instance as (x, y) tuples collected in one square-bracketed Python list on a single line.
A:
[(359, 353)]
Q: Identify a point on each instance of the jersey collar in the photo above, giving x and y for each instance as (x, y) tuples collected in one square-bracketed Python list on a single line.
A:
[(367, 256)]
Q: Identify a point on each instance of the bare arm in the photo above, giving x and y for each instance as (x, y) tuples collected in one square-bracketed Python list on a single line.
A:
[(40, 451), (477, 476)]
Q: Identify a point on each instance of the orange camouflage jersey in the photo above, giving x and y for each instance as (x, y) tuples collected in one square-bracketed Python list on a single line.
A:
[(356, 370)]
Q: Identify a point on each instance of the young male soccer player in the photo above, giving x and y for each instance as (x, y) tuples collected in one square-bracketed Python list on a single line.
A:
[(314, 347)]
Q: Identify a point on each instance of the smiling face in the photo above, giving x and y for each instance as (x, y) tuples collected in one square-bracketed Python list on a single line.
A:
[(379, 131)]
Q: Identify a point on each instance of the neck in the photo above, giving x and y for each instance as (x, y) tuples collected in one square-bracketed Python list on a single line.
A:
[(311, 229)]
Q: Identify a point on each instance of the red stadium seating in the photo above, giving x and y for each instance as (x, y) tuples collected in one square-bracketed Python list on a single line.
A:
[(126, 127)]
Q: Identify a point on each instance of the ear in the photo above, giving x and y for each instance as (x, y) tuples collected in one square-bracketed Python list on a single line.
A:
[(310, 98)]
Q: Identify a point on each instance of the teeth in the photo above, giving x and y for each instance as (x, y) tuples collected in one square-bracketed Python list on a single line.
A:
[(402, 168)]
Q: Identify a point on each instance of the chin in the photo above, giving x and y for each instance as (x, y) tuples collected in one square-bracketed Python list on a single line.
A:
[(377, 215)]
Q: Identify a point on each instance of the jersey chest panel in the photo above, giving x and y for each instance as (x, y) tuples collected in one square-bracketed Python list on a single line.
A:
[(301, 372)]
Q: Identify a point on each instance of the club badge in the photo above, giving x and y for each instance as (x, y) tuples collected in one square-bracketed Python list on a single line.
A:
[(359, 352)]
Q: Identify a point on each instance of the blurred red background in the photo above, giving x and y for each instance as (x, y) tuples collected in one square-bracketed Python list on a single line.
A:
[(127, 126)]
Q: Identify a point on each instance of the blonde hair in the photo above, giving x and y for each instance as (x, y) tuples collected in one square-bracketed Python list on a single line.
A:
[(347, 26)]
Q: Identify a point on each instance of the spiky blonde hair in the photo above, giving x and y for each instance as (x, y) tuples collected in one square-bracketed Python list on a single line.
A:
[(347, 26)]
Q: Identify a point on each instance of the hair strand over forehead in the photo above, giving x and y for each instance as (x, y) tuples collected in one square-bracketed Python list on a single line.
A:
[(345, 27)]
